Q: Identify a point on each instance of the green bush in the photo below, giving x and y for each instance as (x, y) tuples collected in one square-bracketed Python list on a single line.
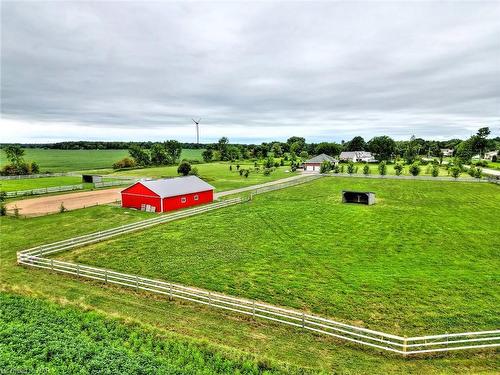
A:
[(455, 171), (414, 169), (194, 172), (351, 168), (472, 171), (479, 173), (366, 169), (325, 167), (398, 169), (382, 168), (267, 171), (124, 163), (184, 168), (435, 170)]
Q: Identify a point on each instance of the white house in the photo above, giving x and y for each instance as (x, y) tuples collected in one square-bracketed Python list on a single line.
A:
[(357, 156), (314, 164), (447, 152), (489, 155)]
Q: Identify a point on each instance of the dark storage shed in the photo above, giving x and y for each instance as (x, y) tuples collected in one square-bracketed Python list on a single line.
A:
[(92, 178), (361, 197)]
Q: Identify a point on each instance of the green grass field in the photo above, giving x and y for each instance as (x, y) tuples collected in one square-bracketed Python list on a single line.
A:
[(36, 183), (267, 342), (41, 337), (216, 174), (78, 160), (394, 266)]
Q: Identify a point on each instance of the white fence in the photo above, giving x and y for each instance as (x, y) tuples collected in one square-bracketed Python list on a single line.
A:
[(113, 183), (34, 257), (54, 189), (28, 176), (424, 178)]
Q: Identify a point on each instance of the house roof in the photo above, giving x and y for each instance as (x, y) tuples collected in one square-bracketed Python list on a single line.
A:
[(321, 158), (171, 187)]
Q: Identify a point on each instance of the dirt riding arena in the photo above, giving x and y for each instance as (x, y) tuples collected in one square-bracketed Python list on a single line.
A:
[(44, 205)]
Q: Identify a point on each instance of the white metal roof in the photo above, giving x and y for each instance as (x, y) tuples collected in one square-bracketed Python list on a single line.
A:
[(171, 187)]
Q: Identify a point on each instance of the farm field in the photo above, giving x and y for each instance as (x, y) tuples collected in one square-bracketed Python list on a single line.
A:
[(394, 266), (79, 160), (267, 342), (36, 183), (89, 342), (216, 174)]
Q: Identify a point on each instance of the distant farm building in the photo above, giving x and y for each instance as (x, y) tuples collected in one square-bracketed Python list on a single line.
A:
[(491, 156), (447, 152), (314, 164), (167, 194), (357, 156)]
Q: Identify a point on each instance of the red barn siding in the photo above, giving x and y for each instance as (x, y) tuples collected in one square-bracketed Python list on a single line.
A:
[(175, 203), (137, 195)]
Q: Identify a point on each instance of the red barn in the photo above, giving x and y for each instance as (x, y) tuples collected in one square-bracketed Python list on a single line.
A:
[(167, 194)]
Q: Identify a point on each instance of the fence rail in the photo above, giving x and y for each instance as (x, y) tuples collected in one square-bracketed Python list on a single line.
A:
[(34, 257), (113, 183), (423, 178), (28, 176), (284, 185), (54, 189)]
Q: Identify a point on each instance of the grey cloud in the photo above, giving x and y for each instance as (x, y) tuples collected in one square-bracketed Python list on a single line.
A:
[(336, 69)]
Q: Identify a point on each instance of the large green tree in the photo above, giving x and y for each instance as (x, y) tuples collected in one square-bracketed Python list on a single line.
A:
[(356, 144), (14, 154), (174, 150), (383, 147)]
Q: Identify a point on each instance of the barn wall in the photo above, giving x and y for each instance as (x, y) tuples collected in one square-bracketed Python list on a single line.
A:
[(175, 203), (137, 194)]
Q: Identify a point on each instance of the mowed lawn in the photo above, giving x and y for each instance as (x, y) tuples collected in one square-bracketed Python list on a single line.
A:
[(77, 160), (422, 260), (231, 335), (217, 174), (37, 183)]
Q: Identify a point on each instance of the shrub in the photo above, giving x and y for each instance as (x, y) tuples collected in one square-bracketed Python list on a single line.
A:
[(230, 168), (62, 208), (366, 170), (237, 167), (342, 169), (255, 164), (184, 168), (35, 168), (269, 162), (472, 171), (276, 164), (494, 158), (247, 172), (455, 171), (336, 169), (479, 173), (3, 209), (194, 172), (282, 162), (241, 172), (350, 168), (325, 167), (414, 169), (398, 168), (267, 171), (207, 155), (382, 168), (124, 163), (435, 170)]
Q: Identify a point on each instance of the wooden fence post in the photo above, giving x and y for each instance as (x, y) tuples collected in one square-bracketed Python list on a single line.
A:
[(253, 309), (52, 264), (303, 320), (106, 276), (78, 270), (137, 283), (405, 345)]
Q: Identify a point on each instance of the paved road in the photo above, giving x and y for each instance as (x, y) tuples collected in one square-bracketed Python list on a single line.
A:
[(72, 201)]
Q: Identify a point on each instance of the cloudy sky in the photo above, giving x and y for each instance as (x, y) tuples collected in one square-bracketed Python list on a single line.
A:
[(253, 71)]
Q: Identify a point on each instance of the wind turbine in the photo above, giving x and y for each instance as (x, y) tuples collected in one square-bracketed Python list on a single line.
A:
[(197, 123)]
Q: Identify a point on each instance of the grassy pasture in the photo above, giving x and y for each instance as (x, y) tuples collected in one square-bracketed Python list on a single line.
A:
[(185, 322), (216, 174), (36, 183), (394, 266), (77, 160)]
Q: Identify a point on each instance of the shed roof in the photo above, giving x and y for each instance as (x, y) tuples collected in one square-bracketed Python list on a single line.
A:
[(171, 187), (321, 158)]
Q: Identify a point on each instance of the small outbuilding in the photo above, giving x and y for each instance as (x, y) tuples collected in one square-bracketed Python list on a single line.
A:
[(167, 194), (361, 197), (314, 164), (91, 178)]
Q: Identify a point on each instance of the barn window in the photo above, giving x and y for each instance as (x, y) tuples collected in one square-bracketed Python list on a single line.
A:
[(196, 197), (183, 200)]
